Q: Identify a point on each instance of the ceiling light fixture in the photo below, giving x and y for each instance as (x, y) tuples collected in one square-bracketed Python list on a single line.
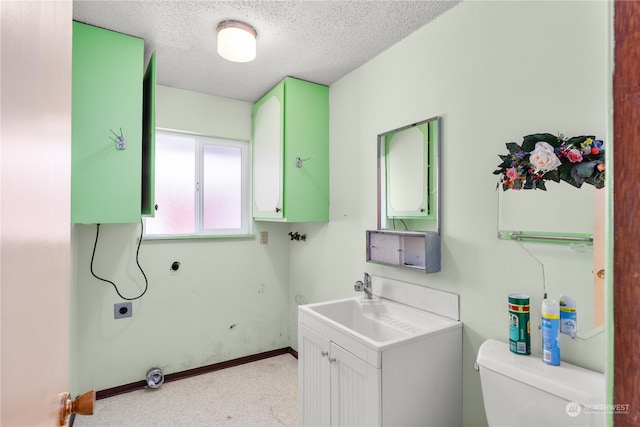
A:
[(236, 41)]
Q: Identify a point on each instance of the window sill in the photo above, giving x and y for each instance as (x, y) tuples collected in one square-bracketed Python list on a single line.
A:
[(201, 237)]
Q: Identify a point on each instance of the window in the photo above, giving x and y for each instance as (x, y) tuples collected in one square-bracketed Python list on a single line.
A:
[(201, 186)]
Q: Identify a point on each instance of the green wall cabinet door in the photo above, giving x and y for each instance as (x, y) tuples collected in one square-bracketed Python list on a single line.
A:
[(291, 153), (149, 139), (107, 127)]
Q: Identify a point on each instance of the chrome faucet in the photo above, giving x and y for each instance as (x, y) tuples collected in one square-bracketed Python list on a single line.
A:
[(364, 286)]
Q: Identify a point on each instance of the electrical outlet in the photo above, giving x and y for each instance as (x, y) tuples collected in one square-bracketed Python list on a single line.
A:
[(264, 237), (122, 309)]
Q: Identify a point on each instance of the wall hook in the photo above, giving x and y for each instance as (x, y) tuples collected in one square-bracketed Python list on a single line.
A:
[(297, 236), (300, 160), (121, 142)]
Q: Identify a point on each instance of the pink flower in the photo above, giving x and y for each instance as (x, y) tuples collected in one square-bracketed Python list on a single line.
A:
[(574, 156), (512, 173)]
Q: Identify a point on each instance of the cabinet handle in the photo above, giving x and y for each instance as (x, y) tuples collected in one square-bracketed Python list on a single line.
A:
[(332, 359), (156, 207), (324, 353), (277, 209)]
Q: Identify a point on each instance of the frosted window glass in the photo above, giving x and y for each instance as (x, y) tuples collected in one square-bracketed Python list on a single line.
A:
[(222, 187), (175, 180), (201, 187)]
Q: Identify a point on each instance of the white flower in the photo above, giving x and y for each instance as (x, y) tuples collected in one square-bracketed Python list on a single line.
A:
[(543, 158)]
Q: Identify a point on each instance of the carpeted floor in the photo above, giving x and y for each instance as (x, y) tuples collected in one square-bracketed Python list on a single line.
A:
[(262, 393)]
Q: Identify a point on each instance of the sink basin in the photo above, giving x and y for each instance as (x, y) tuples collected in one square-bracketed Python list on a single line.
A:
[(377, 322)]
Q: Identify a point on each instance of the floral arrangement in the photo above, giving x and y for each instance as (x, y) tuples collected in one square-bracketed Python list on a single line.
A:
[(546, 157)]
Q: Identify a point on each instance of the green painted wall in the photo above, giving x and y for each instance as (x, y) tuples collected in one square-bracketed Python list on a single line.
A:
[(494, 73), (228, 299)]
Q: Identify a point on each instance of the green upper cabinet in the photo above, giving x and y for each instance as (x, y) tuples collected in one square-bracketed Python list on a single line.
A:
[(107, 127), (291, 153)]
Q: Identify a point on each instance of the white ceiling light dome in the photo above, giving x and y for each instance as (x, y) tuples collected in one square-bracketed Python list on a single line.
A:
[(236, 41)]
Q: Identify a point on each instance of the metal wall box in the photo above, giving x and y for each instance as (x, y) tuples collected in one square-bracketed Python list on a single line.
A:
[(413, 250)]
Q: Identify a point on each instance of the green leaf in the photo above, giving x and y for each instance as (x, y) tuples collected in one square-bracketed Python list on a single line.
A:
[(513, 147), (565, 175), (540, 185), (529, 142), (552, 175), (576, 179), (584, 169), (577, 140)]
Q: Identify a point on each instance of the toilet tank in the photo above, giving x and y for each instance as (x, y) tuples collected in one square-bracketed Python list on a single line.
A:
[(521, 390)]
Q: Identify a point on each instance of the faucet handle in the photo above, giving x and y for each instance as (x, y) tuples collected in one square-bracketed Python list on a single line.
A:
[(359, 286)]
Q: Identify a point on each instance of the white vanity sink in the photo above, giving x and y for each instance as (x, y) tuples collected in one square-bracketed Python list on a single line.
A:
[(377, 322), (378, 363)]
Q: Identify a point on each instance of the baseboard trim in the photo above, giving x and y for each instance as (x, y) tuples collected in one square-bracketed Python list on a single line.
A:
[(138, 385)]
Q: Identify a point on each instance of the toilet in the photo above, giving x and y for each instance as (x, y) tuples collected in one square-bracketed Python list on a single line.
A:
[(521, 390)]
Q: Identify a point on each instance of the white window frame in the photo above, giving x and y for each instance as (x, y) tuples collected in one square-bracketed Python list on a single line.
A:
[(245, 229)]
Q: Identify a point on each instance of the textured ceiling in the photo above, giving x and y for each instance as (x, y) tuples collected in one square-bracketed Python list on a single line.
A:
[(319, 41)]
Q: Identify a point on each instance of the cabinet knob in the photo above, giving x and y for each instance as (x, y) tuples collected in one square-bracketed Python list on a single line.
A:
[(332, 359), (277, 209), (155, 207), (324, 353)]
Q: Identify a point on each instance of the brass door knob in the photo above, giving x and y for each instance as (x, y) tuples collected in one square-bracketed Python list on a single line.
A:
[(83, 405), (600, 274)]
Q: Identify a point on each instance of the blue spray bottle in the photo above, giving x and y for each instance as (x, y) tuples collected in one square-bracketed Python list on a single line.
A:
[(550, 329)]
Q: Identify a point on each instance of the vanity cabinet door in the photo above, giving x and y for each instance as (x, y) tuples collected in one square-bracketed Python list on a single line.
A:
[(335, 387), (291, 153), (355, 390), (107, 126), (314, 378)]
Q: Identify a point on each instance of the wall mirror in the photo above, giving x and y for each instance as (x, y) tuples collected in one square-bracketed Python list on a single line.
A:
[(563, 229), (409, 177)]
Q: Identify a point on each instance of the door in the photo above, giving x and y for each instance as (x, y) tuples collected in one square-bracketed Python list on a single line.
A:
[(355, 390), (268, 140), (314, 378), (626, 227), (35, 209), (107, 89)]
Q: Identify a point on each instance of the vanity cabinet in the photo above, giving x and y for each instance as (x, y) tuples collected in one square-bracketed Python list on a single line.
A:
[(345, 381), (291, 153), (414, 250), (113, 127), (337, 387)]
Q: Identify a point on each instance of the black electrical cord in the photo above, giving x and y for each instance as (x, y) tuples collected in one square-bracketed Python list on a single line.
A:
[(95, 245)]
